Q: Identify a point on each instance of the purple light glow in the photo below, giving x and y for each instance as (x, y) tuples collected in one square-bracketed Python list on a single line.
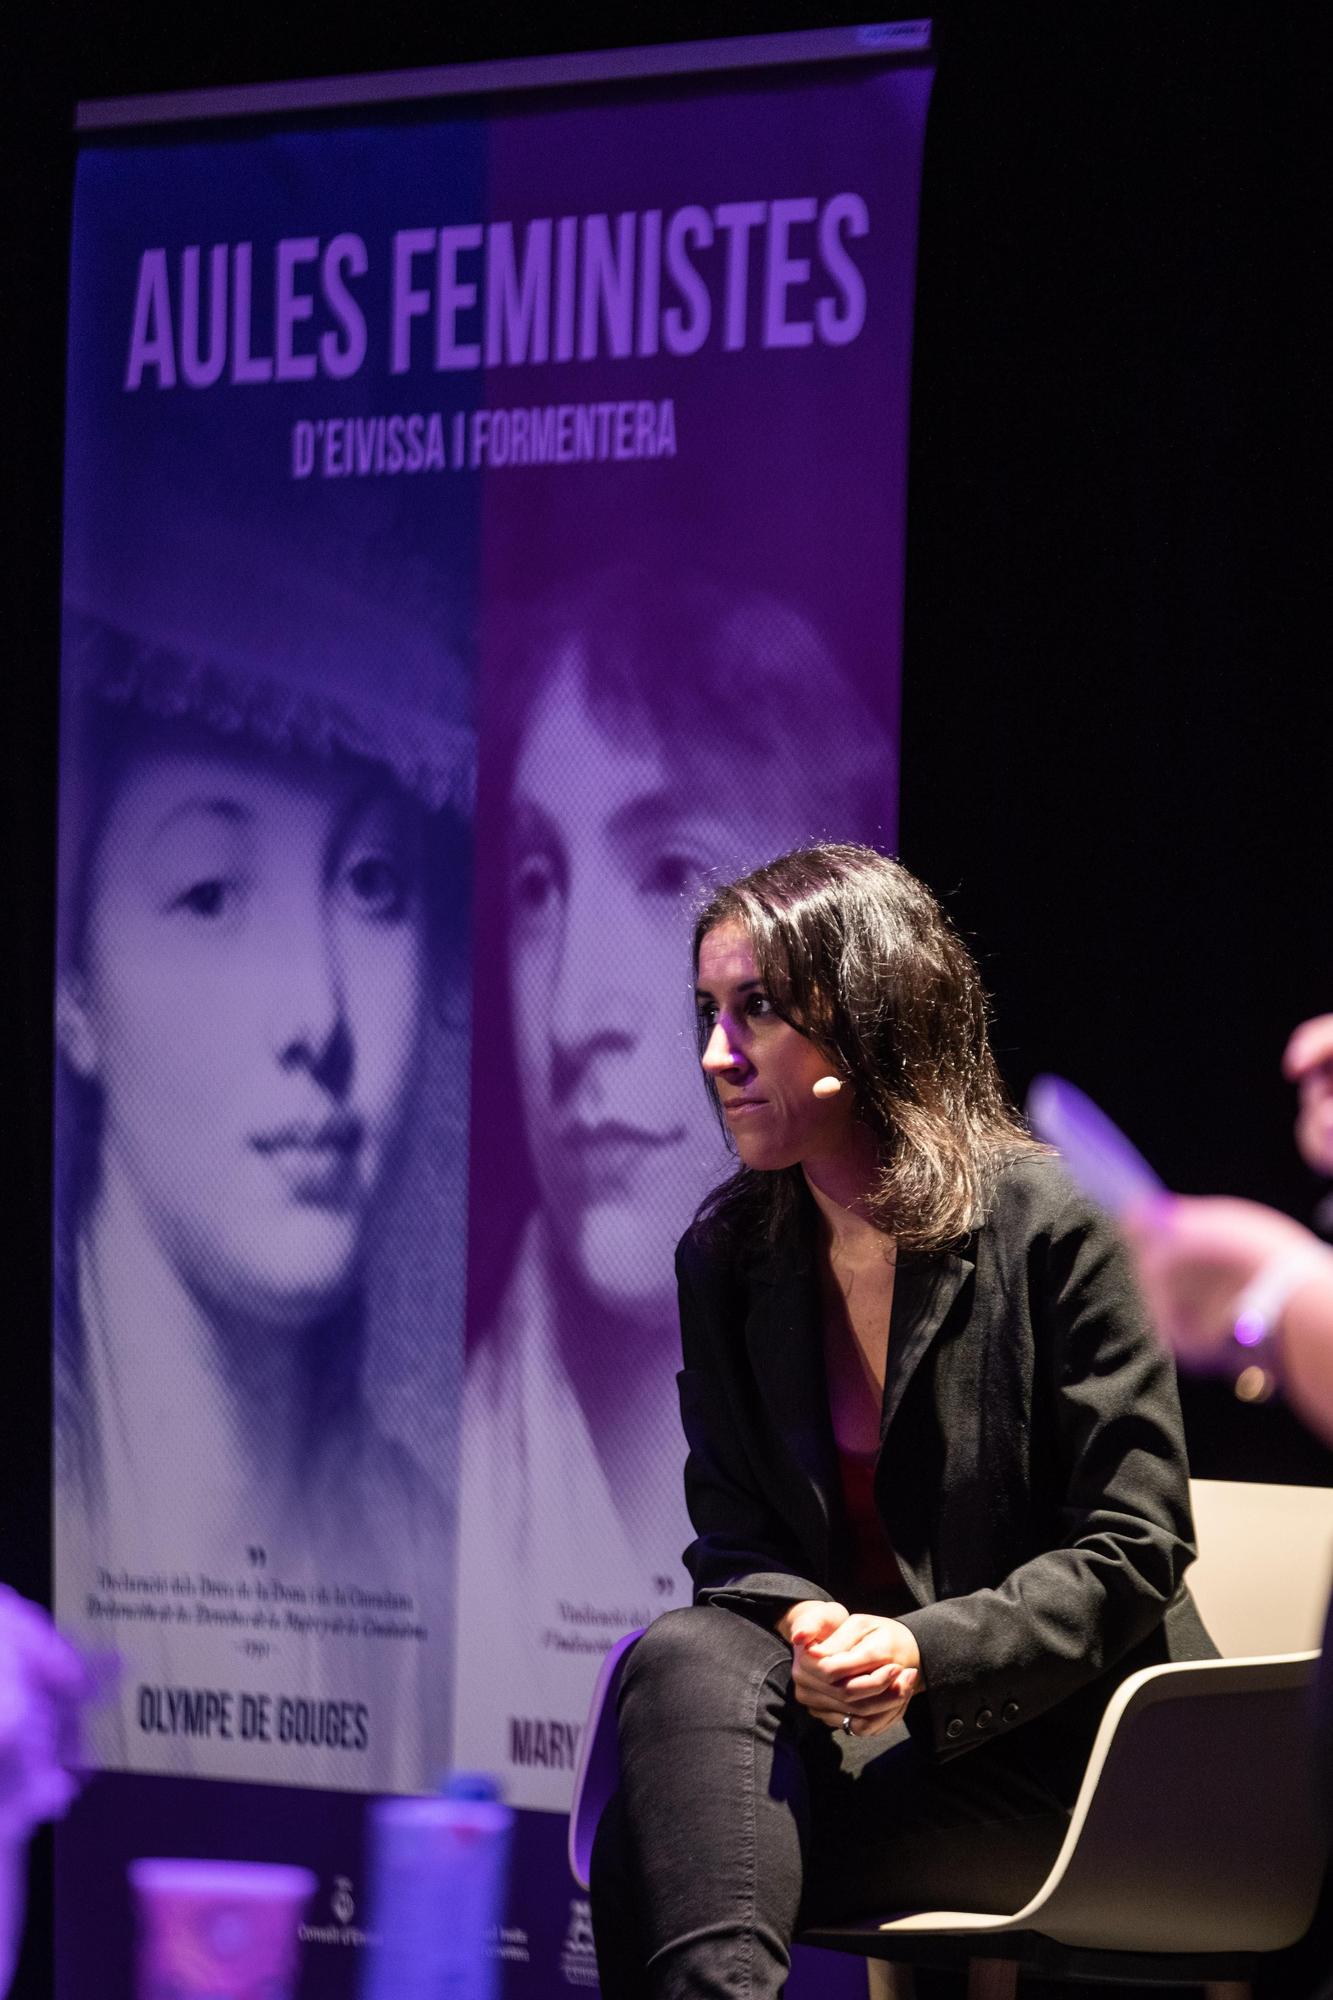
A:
[(1250, 1329)]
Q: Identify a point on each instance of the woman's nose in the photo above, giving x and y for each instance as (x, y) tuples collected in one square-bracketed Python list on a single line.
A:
[(309, 1016), (592, 1005), (718, 1055)]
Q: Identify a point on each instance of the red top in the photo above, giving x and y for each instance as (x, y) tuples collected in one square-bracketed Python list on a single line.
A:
[(873, 1572)]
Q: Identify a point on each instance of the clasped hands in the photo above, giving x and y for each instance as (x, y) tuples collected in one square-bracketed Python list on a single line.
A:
[(850, 1664)]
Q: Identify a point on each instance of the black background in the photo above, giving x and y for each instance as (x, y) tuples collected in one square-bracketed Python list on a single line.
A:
[(1117, 737)]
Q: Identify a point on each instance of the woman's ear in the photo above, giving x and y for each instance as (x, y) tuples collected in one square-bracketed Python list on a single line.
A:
[(76, 1037)]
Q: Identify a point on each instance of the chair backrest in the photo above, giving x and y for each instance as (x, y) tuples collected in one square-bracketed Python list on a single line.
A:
[(1197, 1828), (598, 1771), (1261, 1581)]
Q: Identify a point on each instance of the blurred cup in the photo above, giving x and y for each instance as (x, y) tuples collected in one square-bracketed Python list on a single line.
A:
[(218, 1930)]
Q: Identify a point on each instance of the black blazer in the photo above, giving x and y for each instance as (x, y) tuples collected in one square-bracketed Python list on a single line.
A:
[(1031, 1477)]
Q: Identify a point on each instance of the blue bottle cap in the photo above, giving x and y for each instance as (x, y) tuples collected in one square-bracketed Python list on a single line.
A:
[(470, 1785)]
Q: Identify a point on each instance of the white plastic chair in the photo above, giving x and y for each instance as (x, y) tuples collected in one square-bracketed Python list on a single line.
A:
[(1195, 1843), (598, 1771)]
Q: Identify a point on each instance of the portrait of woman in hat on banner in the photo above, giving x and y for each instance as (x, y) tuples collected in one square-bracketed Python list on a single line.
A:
[(261, 1132)]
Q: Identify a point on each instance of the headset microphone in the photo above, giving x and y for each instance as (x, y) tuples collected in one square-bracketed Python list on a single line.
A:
[(826, 1086)]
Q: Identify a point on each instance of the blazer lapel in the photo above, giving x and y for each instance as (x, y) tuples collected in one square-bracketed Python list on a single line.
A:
[(784, 1341), (785, 1345), (924, 1289)]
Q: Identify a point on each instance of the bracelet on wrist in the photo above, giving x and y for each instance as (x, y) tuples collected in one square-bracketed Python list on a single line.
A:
[(1256, 1329)]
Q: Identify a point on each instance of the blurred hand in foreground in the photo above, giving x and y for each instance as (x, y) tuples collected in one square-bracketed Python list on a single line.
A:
[(43, 1685), (1196, 1254), (1308, 1063)]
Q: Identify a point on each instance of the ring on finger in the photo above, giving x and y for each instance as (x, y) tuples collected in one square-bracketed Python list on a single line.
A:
[(847, 1729)]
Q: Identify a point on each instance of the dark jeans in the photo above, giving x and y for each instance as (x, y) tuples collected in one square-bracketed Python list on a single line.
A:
[(739, 1817)]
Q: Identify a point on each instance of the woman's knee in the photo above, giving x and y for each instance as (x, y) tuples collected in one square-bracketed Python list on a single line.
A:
[(690, 1654)]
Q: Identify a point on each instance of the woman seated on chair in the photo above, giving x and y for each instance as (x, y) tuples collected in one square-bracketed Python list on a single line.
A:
[(936, 1465)]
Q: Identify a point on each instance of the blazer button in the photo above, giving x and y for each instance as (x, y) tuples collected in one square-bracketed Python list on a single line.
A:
[(1010, 1711), (953, 1728), (984, 1719)]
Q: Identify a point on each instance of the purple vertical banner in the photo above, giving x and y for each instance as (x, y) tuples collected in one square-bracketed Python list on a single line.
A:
[(693, 448), (484, 534)]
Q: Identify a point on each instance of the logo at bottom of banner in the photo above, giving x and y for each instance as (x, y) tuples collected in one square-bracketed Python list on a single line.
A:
[(343, 1932), (578, 1955)]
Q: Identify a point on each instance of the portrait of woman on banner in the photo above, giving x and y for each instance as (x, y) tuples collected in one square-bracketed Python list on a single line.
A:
[(260, 1024), (646, 732)]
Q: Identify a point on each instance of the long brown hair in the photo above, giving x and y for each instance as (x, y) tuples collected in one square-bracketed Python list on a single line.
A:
[(857, 954)]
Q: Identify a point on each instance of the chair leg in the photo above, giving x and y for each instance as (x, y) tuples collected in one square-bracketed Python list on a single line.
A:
[(890, 1982), (992, 1979)]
